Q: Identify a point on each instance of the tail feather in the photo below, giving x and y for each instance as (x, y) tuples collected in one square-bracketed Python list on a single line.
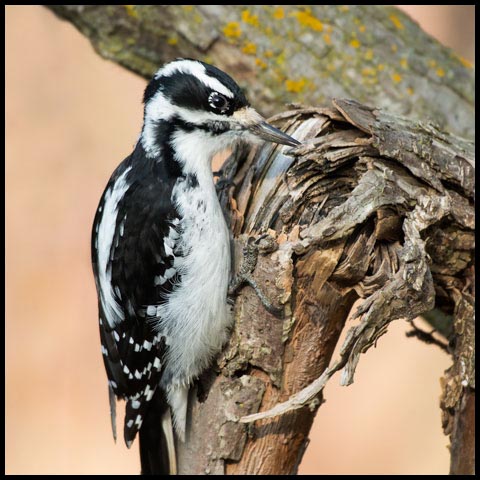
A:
[(113, 411), (167, 428), (157, 446)]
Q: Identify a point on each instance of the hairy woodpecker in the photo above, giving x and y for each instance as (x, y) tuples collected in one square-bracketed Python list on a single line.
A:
[(161, 252)]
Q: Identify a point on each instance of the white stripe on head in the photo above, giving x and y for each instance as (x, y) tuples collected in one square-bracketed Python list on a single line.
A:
[(159, 108), (197, 70)]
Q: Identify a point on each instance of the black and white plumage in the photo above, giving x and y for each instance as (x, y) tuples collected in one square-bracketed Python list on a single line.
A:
[(161, 252)]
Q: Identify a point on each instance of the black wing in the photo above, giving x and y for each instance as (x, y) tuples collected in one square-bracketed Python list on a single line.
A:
[(141, 273)]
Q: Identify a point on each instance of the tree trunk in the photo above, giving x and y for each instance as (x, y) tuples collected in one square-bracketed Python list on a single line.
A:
[(373, 206)]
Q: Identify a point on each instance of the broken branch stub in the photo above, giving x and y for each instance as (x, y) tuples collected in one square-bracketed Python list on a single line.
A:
[(370, 206), (398, 192)]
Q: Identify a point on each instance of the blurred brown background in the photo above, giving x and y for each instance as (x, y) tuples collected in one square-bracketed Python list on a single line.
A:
[(71, 117)]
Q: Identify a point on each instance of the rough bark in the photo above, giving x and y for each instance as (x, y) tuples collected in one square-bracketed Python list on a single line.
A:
[(373, 206), (310, 54)]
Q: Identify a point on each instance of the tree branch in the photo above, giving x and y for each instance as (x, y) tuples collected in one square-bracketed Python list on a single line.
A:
[(309, 54)]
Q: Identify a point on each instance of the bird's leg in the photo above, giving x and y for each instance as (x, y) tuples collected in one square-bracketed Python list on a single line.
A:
[(244, 275)]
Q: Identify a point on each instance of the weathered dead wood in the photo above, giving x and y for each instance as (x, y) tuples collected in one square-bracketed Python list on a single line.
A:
[(349, 214), (458, 399)]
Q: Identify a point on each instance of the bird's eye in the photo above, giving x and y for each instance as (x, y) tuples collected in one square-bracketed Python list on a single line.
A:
[(218, 102)]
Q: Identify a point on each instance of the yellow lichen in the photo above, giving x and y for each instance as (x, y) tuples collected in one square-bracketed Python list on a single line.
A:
[(410, 90), (394, 48), (396, 77), (344, 8), (278, 13), (280, 60), (260, 63), (268, 54), (279, 75), (362, 28), (403, 63), (396, 21), (440, 72), (295, 86), (172, 40), (369, 80), (327, 39), (232, 30), (369, 71), (432, 63), (354, 43), (369, 54), (247, 17), (131, 10), (249, 48), (309, 21), (380, 67), (465, 62)]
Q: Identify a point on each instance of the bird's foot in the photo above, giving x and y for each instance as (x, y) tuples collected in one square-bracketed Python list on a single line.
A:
[(244, 276)]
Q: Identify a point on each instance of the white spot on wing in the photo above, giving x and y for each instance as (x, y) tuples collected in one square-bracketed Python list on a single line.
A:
[(149, 395), (168, 249), (169, 273), (138, 421), (122, 226)]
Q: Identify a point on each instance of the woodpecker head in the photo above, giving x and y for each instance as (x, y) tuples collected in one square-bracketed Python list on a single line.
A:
[(195, 106)]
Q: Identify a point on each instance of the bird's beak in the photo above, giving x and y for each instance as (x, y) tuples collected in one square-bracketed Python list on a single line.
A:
[(271, 134), (252, 121)]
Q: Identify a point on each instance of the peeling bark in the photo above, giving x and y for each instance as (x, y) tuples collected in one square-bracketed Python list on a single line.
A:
[(371, 206)]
